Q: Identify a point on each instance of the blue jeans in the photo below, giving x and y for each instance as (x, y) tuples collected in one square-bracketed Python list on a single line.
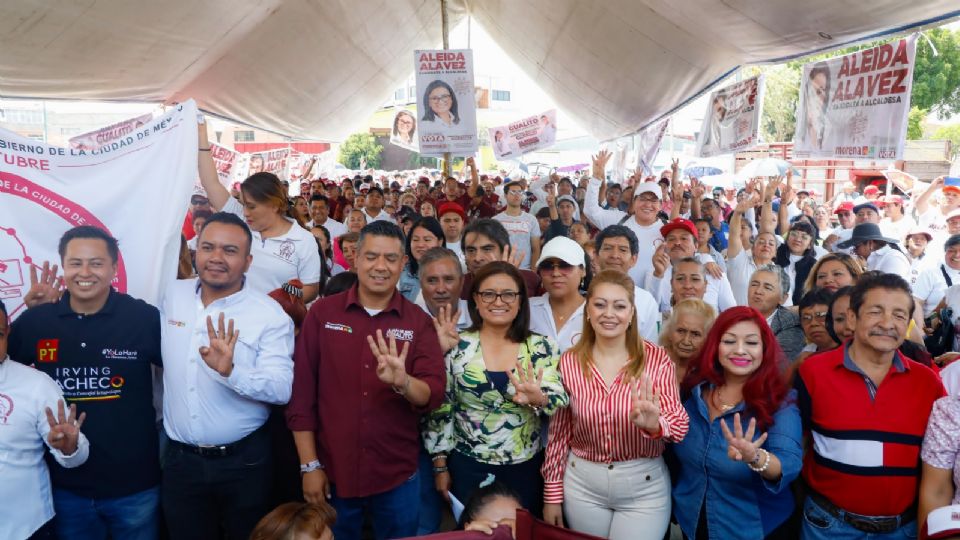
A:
[(818, 524), (430, 500), (395, 513), (133, 517)]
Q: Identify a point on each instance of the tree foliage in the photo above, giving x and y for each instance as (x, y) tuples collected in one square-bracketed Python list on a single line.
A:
[(952, 134), (936, 85), (357, 147)]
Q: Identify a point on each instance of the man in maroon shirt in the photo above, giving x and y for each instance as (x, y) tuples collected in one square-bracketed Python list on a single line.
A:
[(367, 366)]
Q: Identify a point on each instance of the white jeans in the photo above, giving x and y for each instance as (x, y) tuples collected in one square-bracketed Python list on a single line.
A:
[(625, 500)]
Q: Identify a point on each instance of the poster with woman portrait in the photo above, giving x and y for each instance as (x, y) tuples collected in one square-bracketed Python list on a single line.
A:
[(404, 130), (446, 106), (528, 134), (856, 106), (732, 121)]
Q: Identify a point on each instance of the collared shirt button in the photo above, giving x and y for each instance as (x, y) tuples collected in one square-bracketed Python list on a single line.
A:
[(193, 416), (364, 393), (83, 344), (192, 389)]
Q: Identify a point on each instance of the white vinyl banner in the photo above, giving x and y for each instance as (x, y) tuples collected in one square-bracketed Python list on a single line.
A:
[(136, 187), (96, 139), (648, 145), (856, 106), (447, 103), (525, 135), (732, 121)]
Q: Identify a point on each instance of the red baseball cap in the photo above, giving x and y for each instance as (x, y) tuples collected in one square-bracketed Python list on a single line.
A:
[(448, 207), (846, 206), (679, 223), (870, 190)]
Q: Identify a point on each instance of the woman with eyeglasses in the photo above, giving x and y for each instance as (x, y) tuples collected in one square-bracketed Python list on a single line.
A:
[(743, 447), (500, 378), (558, 313), (604, 468), (796, 256), (440, 104)]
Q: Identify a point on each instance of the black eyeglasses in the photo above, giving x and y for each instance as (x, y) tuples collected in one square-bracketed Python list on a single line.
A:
[(199, 201), (489, 297)]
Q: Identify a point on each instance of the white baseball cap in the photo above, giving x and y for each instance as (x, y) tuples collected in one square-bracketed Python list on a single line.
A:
[(647, 187), (563, 248)]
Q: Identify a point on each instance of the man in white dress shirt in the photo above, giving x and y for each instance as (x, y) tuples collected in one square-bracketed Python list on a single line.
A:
[(230, 356)]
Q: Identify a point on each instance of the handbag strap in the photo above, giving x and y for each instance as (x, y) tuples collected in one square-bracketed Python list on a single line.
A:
[(943, 270)]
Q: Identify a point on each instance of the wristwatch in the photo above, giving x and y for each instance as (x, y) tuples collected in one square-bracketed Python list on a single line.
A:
[(310, 467)]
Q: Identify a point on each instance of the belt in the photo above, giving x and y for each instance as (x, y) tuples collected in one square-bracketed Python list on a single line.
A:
[(869, 524), (215, 450)]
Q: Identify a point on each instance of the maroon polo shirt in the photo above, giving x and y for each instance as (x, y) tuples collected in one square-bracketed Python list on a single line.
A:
[(367, 435)]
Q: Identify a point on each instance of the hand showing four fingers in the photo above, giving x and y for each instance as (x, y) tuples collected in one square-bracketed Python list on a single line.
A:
[(645, 410), (64, 429), (741, 446)]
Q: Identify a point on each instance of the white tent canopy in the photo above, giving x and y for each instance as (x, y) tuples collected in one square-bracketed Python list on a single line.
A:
[(317, 68)]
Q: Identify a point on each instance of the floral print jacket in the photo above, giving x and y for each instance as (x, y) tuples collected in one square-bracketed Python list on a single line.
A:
[(482, 422)]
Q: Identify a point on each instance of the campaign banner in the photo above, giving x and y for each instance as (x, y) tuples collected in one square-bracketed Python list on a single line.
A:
[(137, 188), (447, 102), (404, 130), (856, 106), (224, 159), (648, 145), (732, 121), (96, 139), (273, 161), (525, 135)]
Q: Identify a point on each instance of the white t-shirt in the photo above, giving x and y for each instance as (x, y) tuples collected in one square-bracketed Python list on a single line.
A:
[(889, 261), (277, 260), (739, 270), (931, 286), (648, 235), (897, 229), (718, 293), (522, 230), (334, 227), (648, 316), (917, 266), (382, 216)]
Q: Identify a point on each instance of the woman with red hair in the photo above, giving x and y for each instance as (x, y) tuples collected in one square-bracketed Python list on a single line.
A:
[(743, 447)]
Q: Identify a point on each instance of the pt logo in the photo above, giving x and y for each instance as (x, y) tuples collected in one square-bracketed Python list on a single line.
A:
[(47, 350)]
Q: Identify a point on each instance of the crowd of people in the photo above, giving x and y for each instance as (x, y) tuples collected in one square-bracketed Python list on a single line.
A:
[(375, 353)]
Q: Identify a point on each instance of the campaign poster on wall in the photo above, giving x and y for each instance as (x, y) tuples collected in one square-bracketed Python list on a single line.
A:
[(403, 133), (732, 121), (446, 102), (856, 106), (224, 159), (136, 188), (272, 161), (528, 134)]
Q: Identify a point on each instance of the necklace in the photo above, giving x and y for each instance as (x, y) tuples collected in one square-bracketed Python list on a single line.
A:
[(718, 401)]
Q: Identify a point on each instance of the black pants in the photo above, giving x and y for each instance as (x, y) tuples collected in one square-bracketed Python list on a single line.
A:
[(217, 497), (466, 475)]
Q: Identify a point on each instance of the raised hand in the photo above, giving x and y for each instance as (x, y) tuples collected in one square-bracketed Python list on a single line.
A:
[(64, 429), (600, 164), (714, 270), (698, 190), (661, 260), (740, 445), (747, 203), (45, 289), (770, 191), (645, 412), (391, 365), (514, 257), (551, 200), (219, 354), (446, 325), (527, 385)]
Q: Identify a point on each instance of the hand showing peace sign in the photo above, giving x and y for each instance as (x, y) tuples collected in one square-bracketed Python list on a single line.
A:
[(740, 445), (391, 366), (512, 256), (64, 430), (645, 412), (446, 325), (219, 354), (527, 385)]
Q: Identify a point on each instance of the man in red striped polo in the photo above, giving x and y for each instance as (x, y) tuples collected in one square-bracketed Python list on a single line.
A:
[(865, 407)]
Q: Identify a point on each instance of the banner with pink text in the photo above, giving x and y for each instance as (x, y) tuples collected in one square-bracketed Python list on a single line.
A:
[(528, 134)]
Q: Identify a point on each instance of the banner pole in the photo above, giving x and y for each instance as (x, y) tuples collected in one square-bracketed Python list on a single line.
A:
[(445, 29)]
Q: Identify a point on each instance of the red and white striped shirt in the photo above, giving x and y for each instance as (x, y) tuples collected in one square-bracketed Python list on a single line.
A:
[(597, 427)]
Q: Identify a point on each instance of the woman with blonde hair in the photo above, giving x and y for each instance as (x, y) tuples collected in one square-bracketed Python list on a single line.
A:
[(684, 332), (832, 272), (604, 468)]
